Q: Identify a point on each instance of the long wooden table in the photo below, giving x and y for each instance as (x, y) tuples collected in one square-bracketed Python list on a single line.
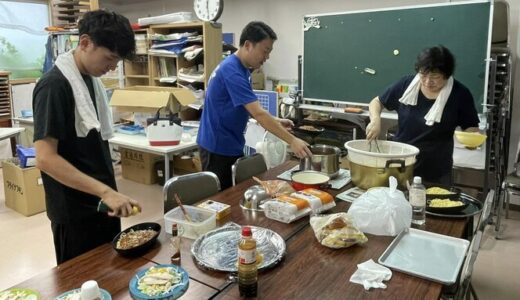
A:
[(111, 271), (308, 271)]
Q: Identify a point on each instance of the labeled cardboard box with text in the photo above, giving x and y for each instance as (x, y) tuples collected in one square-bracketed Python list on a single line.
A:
[(138, 166), (23, 188)]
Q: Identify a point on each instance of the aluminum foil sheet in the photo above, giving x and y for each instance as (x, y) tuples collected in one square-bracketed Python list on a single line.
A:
[(218, 249)]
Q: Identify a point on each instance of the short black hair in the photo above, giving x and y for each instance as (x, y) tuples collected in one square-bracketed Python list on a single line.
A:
[(255, 32), (436, 59), (109, 30)]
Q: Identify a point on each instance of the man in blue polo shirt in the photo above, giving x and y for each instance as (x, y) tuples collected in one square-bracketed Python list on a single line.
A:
[(230, 102)]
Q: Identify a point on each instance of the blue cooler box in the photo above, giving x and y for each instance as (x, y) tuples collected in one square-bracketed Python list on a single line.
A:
[(27, 156)]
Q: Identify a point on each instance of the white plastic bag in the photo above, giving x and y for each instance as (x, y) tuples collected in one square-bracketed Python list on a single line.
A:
[(382, 211), (336, 231)]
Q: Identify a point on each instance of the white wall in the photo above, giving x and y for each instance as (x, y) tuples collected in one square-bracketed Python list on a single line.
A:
[(514, 22), (285, 17)]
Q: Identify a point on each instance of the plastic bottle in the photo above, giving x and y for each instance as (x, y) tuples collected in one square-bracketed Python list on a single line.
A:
[(418, 201), (176, 245), (247, 269)]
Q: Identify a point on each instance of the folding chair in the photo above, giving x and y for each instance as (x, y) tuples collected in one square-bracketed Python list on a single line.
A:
[(247, 167), (486, 211), (510, 186), (190, 188), (467, 269)]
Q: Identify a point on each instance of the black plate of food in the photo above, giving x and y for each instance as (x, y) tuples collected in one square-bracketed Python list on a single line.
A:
[(137, 239), (472, 208), (442, 192), (446, 205)]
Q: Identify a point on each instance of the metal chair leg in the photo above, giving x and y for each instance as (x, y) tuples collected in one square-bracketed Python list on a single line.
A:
[(499, 212), (473, 292), (508, 198)]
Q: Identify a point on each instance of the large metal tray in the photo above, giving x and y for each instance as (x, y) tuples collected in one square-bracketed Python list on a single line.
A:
[(218, 249), (427, 255)]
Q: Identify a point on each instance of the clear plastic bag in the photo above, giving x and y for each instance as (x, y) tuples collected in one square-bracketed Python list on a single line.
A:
[(382, 211), (336, 231), (275, 187)]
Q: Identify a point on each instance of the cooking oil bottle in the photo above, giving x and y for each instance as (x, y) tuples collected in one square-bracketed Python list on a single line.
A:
[(247, 270)]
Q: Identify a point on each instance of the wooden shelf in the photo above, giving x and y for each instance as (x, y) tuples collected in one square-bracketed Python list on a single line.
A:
[(178, 25), (212, 49), (164, 55), (136, 76), (5, 97), (66, 12)]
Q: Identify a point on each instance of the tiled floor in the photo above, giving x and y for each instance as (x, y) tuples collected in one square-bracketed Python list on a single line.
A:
[(27, 247)]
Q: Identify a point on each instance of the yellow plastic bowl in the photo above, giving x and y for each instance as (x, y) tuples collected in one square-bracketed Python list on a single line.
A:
[(470, 139)]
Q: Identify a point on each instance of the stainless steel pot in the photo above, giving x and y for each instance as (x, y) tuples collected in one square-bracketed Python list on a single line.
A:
[(325, 159)]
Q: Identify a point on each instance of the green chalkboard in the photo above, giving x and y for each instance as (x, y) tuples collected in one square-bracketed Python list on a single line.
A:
[(336, 55)]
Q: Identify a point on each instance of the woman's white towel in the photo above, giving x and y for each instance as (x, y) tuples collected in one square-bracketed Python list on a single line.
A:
[(85, 112), (411, 94)]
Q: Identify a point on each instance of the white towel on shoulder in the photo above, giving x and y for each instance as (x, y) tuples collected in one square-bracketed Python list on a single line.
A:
[(85, 112), (411, 94)]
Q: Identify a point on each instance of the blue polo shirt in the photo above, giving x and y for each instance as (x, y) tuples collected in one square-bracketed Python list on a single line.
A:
[(224, 117)]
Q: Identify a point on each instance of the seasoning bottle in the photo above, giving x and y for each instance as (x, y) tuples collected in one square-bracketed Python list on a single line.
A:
[(176, 245), (247, 269), (418, 201)]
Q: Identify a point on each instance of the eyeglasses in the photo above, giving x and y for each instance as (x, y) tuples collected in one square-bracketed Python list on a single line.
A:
[(431, 76)]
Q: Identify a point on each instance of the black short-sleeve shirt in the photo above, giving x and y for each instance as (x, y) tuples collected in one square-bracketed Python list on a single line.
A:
[(53, 106), (434, 142)]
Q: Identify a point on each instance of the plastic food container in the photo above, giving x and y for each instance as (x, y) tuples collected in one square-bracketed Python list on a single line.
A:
[(359, 153), (203, 220)]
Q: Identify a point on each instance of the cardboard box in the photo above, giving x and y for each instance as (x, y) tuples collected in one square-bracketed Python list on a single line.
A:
[(258, 79), (23, 188), (151, 98), (221, 209), (186, 165), (138, 166)]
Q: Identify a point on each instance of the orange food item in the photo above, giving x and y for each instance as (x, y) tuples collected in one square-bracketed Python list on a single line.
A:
[(299, 203), (355, 110), (323, 196)]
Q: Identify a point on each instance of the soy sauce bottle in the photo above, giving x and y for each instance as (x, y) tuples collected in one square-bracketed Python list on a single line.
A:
[(247, 269), (176, 245)]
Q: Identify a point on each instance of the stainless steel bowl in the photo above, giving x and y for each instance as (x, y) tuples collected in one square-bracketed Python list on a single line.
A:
[(254, 197)]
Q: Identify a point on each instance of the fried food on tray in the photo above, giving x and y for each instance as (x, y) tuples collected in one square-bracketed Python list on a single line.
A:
[(309, 128), (438, 191), (445, 203), (134, 238)]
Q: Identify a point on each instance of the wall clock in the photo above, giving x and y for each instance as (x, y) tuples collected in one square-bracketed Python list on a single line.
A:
[(208, 10)]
